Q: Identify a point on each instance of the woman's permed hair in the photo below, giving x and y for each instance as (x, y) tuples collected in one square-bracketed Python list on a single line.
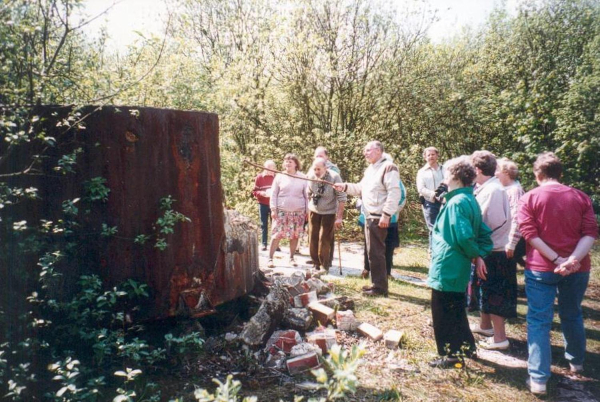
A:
[(461, 169)]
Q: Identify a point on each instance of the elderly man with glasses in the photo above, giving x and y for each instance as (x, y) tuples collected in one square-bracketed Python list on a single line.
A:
[(325, 213)]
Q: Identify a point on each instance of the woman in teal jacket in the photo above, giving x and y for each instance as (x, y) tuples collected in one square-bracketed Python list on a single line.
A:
[(459, 236)]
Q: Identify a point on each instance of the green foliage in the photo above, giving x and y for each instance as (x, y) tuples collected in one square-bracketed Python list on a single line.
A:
[(342, 365), (225, 392), (189, 343), (96, 189), (98, 320), (165, 223), (347, 72)]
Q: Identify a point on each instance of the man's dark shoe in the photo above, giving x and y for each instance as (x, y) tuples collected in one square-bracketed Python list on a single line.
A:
[(375, 292), (444, 362), (364, 274)]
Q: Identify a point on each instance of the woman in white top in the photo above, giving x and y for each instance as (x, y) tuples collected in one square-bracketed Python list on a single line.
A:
[(507, 172)]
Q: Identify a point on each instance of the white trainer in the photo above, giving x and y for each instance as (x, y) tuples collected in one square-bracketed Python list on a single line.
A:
[(476, 329), (536, 388), (491, 345)]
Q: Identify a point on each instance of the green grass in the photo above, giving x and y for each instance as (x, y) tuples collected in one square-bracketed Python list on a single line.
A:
[(404, 374)]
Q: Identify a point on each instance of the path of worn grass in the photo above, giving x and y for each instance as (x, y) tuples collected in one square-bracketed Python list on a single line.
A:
[(405, 375)]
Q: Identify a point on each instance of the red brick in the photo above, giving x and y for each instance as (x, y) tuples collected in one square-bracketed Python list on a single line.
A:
[(305, 299), (325, 340), (302, 363), (321, 313), (283, 341)]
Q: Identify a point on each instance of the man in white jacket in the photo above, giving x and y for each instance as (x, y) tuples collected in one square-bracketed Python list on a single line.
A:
[(380, 193)]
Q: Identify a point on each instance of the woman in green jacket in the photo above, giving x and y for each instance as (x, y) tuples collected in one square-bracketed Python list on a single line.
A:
[(459, 237)]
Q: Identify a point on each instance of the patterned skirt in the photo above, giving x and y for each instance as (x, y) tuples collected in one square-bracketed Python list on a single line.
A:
[(288, 225)]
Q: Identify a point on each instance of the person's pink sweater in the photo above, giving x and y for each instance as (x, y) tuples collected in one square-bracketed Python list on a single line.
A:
[(289, 194), (560, 215)]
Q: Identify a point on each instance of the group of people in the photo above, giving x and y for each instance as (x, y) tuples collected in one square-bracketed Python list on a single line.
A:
[(480, 223), (483, 221), (291, 198)]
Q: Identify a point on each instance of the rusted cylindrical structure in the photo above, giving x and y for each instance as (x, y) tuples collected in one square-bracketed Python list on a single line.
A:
[(146, 154)]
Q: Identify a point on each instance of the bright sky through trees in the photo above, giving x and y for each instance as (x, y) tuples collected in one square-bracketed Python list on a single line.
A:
[(127, 18)]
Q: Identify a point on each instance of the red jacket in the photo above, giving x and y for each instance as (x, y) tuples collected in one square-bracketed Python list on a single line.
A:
[(262, 183)]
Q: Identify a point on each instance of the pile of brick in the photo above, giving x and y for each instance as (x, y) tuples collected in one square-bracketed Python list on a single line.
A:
[(295, 305)]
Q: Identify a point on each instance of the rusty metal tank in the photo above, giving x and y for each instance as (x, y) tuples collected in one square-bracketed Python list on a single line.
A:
[(146, 154)]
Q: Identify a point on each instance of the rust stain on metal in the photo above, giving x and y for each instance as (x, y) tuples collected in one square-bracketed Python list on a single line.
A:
[(211, 259), (131, 137)]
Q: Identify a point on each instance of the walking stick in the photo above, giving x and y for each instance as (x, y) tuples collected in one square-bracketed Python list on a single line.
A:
[(337, 239)]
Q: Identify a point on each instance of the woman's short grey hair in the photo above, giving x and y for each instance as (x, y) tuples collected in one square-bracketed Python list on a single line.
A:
[(509, 167)]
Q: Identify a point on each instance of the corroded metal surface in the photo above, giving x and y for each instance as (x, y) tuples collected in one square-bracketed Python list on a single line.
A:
[(146, 154)]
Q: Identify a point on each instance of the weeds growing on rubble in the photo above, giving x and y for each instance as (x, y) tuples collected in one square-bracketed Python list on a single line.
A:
[(337, 379)]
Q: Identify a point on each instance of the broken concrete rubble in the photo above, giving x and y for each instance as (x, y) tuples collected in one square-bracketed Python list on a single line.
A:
[(276, 361), (267, 319), (297, 303), (299, 319), (338, 303), (304, 348), (346, 321), (319, 286)]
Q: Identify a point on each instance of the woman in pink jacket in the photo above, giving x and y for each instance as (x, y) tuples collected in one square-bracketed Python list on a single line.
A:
[(560, 227)]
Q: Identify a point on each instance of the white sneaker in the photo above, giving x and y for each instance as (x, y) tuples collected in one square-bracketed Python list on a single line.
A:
[(536, 388), (491, 345), (476, 329), (576, 368)]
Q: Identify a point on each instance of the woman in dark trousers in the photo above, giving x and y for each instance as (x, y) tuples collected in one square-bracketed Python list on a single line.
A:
[(459, 236)]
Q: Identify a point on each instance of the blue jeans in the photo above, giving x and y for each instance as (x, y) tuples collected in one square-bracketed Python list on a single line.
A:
[(430, 212), (541, 289), (265, 215)]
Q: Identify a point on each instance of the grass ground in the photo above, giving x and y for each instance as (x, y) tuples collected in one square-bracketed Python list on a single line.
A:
[(404, 374)]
